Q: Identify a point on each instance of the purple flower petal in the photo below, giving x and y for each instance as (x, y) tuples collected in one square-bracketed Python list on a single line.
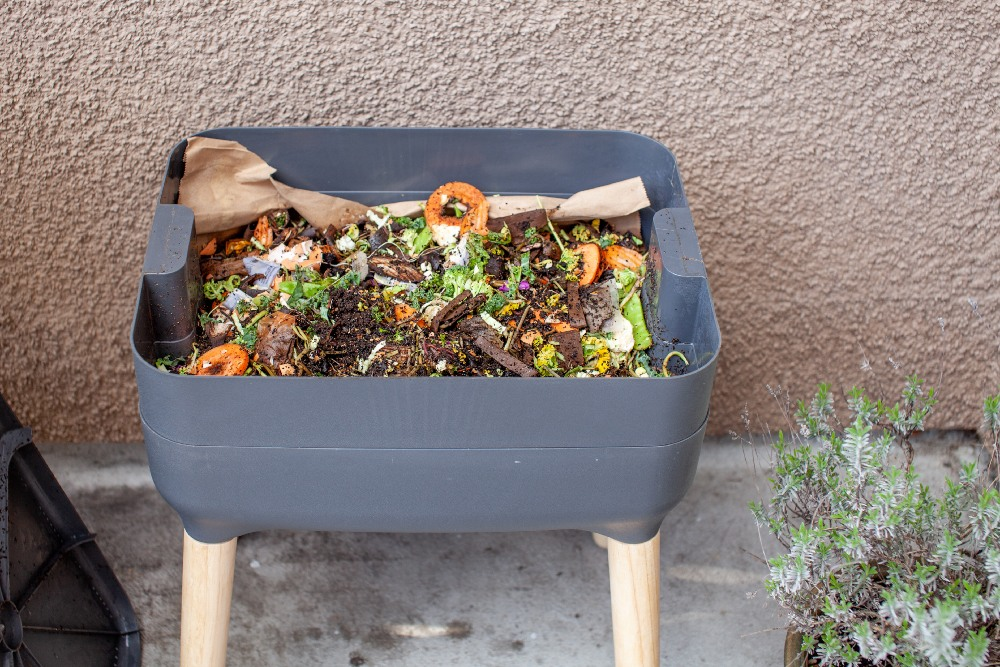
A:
[(524, 285), (503, 288)]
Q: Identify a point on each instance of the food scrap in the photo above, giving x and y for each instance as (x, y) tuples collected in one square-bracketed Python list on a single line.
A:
[(450, 293)]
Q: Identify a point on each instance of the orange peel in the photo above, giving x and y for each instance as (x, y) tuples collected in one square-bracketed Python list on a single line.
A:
[(619, 257), (444, 226)]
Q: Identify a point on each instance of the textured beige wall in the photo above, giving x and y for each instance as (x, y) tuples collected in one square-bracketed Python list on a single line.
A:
[(841, 160)]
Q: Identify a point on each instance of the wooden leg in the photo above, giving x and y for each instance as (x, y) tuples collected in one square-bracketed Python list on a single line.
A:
[(635, 602), (206, 593), (600, 540)]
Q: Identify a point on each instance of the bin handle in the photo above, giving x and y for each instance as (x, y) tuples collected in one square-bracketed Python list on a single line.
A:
[(171, 277), (678, 243)]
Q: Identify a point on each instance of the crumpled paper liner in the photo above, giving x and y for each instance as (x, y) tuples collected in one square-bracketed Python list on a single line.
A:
[(227, 185)]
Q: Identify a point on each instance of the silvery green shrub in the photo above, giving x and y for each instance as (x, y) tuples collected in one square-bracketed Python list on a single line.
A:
[(876, 569)]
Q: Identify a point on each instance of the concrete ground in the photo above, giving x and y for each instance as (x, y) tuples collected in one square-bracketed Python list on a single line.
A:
[(348, 599)]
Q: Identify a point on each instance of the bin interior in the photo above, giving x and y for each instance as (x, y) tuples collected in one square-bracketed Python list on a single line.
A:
[(384, 165)]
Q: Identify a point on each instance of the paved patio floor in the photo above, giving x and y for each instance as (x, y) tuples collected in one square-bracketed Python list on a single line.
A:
[(497, 600)]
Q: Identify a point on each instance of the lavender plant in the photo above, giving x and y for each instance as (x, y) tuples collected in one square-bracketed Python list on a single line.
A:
[(876, 569)]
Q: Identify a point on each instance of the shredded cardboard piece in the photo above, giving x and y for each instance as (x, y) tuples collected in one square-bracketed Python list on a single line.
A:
[(627, 224), (227, 185), (608, 201), (321, 210), (501, 207)]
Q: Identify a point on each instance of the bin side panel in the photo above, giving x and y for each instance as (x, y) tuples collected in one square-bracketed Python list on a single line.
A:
[(224, 492), (442, 412), (394, 413)]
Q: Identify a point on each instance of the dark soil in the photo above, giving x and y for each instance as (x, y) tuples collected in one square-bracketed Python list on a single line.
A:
[(362, 332)]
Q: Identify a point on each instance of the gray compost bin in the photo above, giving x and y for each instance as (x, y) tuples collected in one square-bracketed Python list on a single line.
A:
[(233, 455)]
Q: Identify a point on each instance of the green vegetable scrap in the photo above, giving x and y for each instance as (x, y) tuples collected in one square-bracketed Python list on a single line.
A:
[(607, 240), (644, 366), (582, 233), (632, 308), (502, 237), (496, 301), (405, 317), (666, 361), (478, 255), (168, 363), (460, 278), (547, 360), (247, 338), (216, 290)]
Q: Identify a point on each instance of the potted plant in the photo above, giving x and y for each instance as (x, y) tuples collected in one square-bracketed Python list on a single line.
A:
[(875, 568)]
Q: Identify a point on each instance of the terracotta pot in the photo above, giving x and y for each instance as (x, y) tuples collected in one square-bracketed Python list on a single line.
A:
[(794, 657)]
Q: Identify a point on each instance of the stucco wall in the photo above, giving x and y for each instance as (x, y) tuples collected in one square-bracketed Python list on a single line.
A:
[(840, 159)]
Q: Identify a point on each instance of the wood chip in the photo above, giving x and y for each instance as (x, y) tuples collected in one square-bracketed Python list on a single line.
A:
[(474, 327), (599, 304), (217, 332), (505, 359), (570, 348), (443, 312), (576, 315), (395, 268), (456, 309), (218, 269), (518, 223)]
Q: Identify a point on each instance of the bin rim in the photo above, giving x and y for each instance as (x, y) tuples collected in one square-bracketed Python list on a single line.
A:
[(208, 132)]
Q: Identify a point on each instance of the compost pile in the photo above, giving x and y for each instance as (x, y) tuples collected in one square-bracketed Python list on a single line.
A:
[(450, 293)]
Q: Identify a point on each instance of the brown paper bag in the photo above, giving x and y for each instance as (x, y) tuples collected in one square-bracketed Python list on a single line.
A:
[(225, 185)]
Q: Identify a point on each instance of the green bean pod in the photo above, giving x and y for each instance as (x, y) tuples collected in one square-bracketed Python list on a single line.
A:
[(632, 310)]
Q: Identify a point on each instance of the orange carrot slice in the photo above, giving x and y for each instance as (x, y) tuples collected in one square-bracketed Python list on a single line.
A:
[(209, 248), (618, 257), (590, 263), (227, 359), (403, 311), (263, 232)]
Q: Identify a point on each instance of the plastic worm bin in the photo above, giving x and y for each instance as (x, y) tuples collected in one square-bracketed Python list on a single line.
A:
[(430, 454), (234, 455)]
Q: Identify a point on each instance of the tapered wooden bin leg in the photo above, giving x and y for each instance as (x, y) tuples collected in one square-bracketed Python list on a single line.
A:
[(635, 602), (206, 593)]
